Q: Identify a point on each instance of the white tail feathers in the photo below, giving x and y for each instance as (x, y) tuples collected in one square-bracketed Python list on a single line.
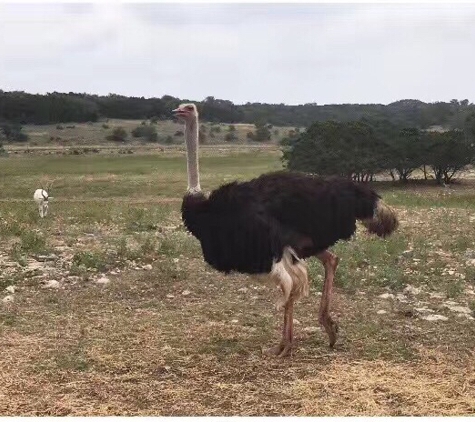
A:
[(290, 274), (42, 201)]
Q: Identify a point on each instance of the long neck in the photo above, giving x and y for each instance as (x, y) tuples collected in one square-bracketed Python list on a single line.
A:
[(191, 138)]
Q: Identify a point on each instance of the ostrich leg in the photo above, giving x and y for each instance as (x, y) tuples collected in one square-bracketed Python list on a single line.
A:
[(330, 263), (284, 348)]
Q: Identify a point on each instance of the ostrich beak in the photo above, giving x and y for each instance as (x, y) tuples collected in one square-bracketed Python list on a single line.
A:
[(178, 112)]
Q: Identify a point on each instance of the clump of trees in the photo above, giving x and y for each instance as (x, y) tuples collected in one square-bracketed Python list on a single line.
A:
[(361, 149), (55, 107)]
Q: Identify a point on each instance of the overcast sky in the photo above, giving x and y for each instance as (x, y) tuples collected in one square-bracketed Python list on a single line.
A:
[(274, 53)]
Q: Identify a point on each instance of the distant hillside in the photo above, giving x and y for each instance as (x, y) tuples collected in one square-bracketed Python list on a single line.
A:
[(24, 108)]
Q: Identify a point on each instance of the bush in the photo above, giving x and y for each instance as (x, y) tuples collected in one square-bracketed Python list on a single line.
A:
[(119, 134), (230, 137), (262, 133), (105, 126), (12, 132), (179, 133), (148, 132), (203, 139), (2, 138)]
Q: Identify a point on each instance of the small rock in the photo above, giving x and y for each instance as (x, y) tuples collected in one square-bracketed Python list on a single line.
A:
[(73, 279), (423, 309), (8, 299), (186, 293), (434, 317), (169, 296), (459, 309), (234, 321), (10, 289), (381, 312), (147, 267), (386, 296), (176, 260), (51, 284), (470, 317), (43, 258), (243, 289), (296, 322), (401, 298), (411, 290), (103, 280), (436, 295), (310, 330)]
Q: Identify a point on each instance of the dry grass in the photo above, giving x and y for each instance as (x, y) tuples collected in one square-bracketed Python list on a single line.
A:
[(140, 346), (95, 133)]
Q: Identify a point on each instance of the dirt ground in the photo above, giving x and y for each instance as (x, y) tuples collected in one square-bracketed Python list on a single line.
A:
[(107, 308)]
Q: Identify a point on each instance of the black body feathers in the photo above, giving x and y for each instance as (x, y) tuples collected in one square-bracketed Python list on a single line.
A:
[(245, 226)]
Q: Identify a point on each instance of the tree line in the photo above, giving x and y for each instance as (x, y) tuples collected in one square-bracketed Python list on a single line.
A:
[(361, 149), (24, 108)]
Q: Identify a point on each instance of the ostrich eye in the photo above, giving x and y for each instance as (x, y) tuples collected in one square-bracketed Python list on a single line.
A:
[(190, 108)]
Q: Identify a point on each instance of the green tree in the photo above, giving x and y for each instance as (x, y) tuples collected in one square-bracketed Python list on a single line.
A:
[(349, 149), (448, 153), (405, 153), (470, 126)]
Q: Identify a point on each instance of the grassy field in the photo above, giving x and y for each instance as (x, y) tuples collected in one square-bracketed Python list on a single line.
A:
[(95, 133), (107, 307)]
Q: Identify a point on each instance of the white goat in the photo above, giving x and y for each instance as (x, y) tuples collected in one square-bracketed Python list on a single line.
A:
[(41, 198)]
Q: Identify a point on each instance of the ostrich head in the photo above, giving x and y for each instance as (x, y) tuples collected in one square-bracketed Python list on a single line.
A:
[(186, 112)]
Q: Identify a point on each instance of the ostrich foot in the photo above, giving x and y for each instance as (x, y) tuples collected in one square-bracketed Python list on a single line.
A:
[(331, 328), (281, 350)]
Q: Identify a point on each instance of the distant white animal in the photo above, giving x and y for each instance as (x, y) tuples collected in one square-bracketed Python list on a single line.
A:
[(41, 198)]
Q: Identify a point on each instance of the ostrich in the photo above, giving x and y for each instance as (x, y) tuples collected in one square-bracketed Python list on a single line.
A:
[(271, 224)]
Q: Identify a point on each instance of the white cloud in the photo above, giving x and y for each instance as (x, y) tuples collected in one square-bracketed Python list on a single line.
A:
[(325, 53)]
